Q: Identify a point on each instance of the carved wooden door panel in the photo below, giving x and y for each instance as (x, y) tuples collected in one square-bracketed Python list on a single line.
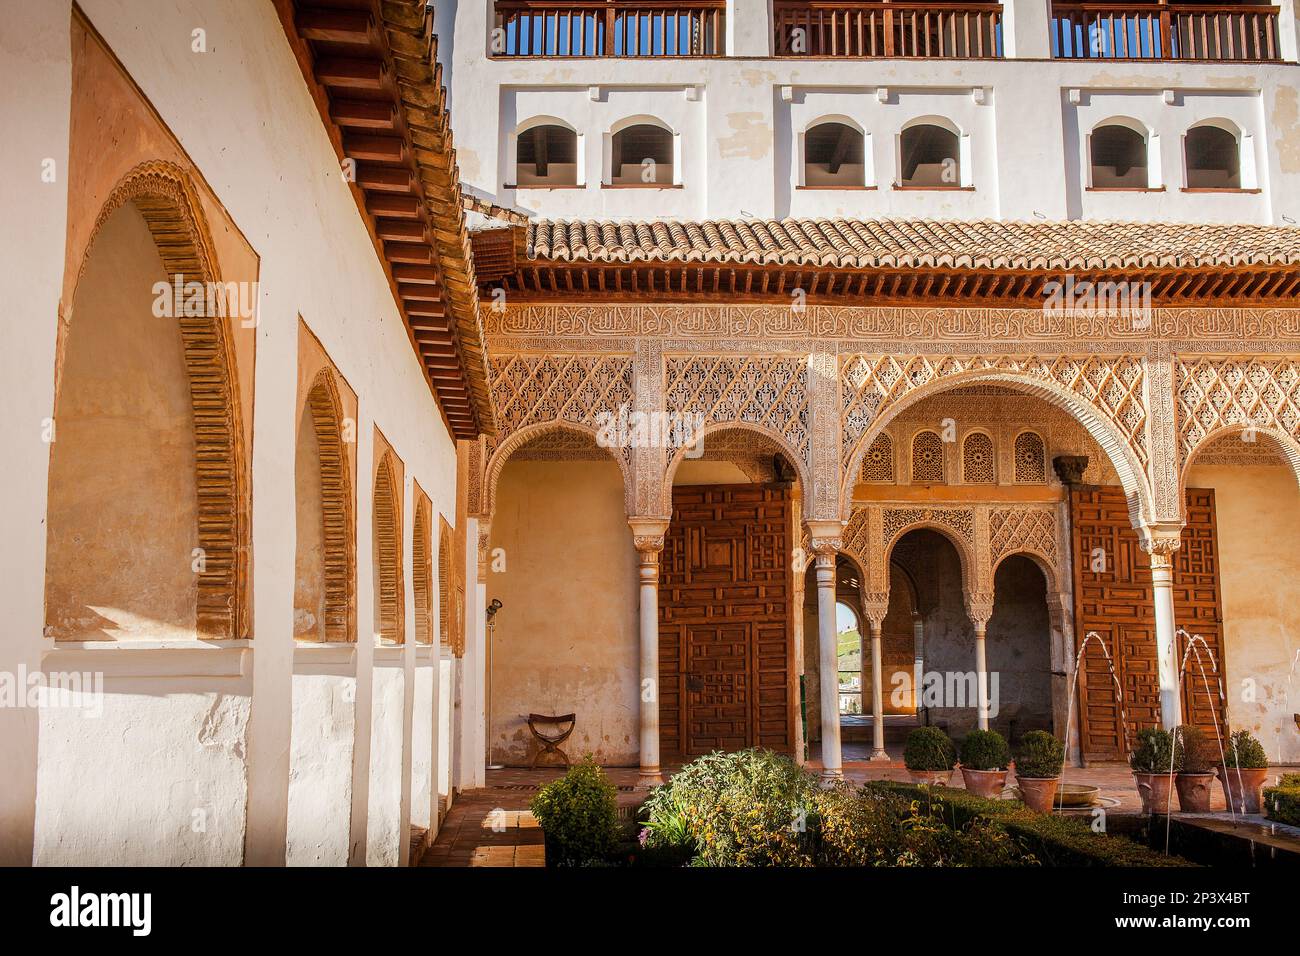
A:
[(1113, 598), (724, 610)]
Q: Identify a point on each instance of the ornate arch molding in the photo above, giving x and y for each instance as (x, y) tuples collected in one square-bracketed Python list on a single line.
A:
[(1217, 396), (170, 207), (500, 453), (982, 534), (422, 572), (1105, 395), (763, 433), (336, 506)]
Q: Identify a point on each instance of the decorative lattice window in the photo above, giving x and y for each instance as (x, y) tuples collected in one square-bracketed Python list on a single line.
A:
[(1031, 458), (927, 457), (977, 459), (421, 574), (445, 623), (879, 463)]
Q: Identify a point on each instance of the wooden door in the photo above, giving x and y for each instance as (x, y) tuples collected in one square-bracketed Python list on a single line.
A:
[(1113, 597), (724, 621)]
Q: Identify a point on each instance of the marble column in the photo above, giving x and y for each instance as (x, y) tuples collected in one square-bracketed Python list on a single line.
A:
[(980, 608), (825, 550), (1161, 548), (648, 537), (875, 615)]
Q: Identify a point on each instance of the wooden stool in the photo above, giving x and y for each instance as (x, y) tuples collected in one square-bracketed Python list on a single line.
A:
[(551, 741)]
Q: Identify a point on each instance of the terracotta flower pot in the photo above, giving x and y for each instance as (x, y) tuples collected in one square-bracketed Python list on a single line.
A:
[(1194, 791), (1242, 788), (937, 777), (984, 783), (1038, 793), (1153, 788)]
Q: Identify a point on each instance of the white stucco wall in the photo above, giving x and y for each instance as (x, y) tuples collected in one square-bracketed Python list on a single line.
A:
[(243, 114), (748, 108)]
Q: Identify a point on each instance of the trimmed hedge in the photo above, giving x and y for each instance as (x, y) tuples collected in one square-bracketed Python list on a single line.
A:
[(1283, 803), (1055, 840)]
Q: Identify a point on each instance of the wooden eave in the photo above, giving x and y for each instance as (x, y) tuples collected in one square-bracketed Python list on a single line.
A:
[(546, 280), (372, 69)]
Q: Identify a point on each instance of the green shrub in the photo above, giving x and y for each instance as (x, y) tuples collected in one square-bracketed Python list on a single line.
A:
[(929, 748), (1283, 803), (1053, 840), (856, 829), (1154, 751), (750, 808), (1194, 752), (1039, 755), (579, 815), (1289, 780), (1245, 752), (985, 750)]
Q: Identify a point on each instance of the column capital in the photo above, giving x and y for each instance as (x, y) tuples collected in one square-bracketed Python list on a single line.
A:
[(1160, 541), (875, 608), (979, 605), (648, 536)]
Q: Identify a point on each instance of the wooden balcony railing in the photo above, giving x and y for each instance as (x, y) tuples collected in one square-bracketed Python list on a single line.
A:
[(585, 28), (887, 29), (1104, 31)]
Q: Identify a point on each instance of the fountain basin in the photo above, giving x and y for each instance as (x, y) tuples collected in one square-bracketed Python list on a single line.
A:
[(1073, 795)]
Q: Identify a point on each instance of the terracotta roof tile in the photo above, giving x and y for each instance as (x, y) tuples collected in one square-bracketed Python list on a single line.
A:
[(919, 243)]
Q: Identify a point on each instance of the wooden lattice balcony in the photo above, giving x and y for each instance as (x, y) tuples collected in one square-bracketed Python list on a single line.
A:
[(1158, 31), (888, 29), (584, 28)]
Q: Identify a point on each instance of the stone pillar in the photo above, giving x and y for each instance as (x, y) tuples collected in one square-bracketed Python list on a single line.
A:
[(1161, 545), (825, 549), (980, 608), (648, 536), (1060, 615), (875, 613), (918, 655)]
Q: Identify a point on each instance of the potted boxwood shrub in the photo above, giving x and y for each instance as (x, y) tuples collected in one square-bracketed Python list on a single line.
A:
[(1039, 760), (1244, 769), (1194, 762), (1152, 763), (929, 755), (984, 759)]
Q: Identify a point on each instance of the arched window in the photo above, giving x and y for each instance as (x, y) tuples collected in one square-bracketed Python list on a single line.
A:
[(878, 465), (422, 572), (1212, 157), (848, 635), (929, 156), (323, 588), (927, 457), (1118, 155), (833, 155), (445, 609), (1031, 458), (546, 155), (642, 155), (387, 554), (977, 459)]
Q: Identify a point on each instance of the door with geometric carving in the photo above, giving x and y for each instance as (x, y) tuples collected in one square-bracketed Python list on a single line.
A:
[(724, 621), (1113, 598)]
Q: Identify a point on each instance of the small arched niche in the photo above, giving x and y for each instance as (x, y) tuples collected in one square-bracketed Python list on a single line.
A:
[(834, 156), (1118, 156)]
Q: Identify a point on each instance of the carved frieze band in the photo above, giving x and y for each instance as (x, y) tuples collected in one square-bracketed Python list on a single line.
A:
[(871, 323)]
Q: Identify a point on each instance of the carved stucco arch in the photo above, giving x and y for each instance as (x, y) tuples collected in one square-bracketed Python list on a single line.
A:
[(1285, 444), (502, 454), (770, 435), (166, 199), (966, 555), (1051, 575), (1131, 471), (338, 523)]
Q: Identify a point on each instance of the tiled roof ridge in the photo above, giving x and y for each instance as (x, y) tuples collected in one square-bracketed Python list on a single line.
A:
[(917, 243)]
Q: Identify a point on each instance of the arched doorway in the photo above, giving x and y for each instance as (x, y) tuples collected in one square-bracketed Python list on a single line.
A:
[(727, 663), (1019, 650), (563, 566)]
